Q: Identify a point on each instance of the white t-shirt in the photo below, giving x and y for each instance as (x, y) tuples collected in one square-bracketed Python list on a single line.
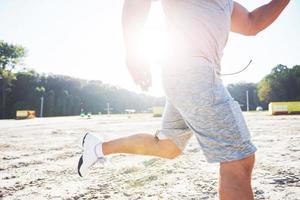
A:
[(198, 27)]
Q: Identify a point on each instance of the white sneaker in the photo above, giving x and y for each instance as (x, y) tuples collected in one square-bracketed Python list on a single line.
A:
[(90, 154)]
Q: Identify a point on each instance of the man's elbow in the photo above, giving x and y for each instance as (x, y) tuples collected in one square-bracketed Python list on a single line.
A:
[(252, 27), (252, 32), (247, 30)]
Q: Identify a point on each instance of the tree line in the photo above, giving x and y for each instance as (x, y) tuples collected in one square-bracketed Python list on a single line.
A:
[(64, 95), (281, 84)]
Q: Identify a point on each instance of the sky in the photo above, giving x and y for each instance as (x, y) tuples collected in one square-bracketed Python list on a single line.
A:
[(83, 39)]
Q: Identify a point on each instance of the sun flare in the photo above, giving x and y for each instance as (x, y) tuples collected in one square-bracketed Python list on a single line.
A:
[(154, 46)]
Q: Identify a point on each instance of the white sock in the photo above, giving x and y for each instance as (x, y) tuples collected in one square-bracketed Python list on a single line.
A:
[(98, 151)]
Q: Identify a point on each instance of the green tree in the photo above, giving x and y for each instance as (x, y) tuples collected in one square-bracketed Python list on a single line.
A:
[(238, 92), (282, 84), (10, 56), (295, 71), (23, 94), (49, 103)]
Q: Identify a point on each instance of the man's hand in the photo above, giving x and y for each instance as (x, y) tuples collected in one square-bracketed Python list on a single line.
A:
[(140, 71)]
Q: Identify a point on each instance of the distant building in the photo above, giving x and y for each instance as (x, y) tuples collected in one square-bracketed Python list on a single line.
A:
[(25, 114), (130, 111), (284, 108), (157, 111)]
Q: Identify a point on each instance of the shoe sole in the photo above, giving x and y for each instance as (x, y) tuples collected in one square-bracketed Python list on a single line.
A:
[(83, 139), (80, 159), (79, 165)]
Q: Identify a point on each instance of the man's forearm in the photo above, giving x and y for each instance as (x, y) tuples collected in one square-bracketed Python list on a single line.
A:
[(265, 15), (135, 13)]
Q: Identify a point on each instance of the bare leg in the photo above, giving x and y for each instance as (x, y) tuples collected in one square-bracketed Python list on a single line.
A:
[(235, 179), (142, 144)]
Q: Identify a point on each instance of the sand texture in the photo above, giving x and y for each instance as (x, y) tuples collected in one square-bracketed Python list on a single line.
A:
[(39, 158)]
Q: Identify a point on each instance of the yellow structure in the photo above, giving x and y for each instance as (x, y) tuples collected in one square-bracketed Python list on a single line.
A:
[(157, 111), (25, 114), (281, 108)]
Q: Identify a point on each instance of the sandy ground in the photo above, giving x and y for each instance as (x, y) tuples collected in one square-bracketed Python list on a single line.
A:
[(39, 157)]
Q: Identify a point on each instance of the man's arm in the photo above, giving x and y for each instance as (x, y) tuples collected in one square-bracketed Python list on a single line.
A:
[(251, 23), (135, 13)]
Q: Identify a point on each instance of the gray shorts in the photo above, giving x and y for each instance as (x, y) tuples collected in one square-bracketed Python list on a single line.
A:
[(198, 103)]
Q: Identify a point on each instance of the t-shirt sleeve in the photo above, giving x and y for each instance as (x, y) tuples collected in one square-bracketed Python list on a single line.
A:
[(231, 5)]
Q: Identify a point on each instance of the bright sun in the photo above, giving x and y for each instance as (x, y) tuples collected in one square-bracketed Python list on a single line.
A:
[(155, 46), (154, 43)]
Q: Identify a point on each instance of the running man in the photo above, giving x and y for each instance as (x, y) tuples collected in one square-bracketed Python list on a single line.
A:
[(196, 100)]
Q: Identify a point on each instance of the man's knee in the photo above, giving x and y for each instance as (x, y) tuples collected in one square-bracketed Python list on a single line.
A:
[(168, 149), (240, 169)]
